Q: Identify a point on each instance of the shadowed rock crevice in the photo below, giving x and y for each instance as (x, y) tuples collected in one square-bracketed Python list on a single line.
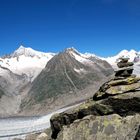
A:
[(124, 107), (138, 134)]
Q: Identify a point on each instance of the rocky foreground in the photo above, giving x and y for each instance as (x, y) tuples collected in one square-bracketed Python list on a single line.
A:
[(112, 114)]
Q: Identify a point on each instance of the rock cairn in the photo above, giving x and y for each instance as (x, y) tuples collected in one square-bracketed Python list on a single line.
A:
[(123, 82), (125, 68)]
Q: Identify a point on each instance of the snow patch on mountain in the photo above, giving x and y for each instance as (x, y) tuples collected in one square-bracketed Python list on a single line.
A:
[(79, 57), (89, 55), (80, 71), (82, 58)]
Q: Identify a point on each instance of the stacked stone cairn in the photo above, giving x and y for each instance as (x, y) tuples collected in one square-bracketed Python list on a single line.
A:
[(123, 82)]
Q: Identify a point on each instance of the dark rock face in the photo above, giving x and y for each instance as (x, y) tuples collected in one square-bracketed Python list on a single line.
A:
[(138, 134), (124, 72), (1, 92), (120, 65)]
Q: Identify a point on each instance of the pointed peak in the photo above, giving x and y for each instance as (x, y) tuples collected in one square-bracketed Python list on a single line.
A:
[(21, 47), (29, 52), (24, 51), (72, 50), (123, 52), (133, 51)]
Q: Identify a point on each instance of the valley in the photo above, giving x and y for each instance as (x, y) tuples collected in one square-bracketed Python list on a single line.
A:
[(19, 127)]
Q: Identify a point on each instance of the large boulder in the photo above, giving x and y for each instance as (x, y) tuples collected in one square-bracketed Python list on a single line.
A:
[(122, 64), (126, 81), (122, 88), (123, 105), (124, 72), (111, 127)]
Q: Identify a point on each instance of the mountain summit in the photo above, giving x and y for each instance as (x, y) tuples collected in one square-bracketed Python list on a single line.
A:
[(26, 61), (24, 51), (29, 52), (133, 56)]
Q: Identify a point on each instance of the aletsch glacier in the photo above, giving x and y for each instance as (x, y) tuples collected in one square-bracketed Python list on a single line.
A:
[(21, 126)]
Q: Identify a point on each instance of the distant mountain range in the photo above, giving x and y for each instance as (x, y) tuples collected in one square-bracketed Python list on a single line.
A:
[(33, 82), (132, 54), (26, 61)]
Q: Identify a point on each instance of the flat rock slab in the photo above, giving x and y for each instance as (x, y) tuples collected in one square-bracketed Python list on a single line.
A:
[(124, 68), (122, 89), (124, 73), (122, 64), (126, 81)]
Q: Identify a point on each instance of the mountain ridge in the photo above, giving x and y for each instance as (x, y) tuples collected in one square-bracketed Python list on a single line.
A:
[(132, 55)]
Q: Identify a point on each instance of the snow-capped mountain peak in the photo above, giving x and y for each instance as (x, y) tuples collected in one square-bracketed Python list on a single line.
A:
[(72, 50), (21, 47), (132, 55), (126, 53), (123, 52), (29, 52), (91, 55), (26, 61)]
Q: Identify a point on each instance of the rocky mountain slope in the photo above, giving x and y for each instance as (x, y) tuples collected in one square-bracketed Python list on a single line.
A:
[(68, 77), (112, 114), (11, 85)]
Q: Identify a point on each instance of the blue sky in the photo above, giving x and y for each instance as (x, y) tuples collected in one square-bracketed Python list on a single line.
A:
[(103, 27)]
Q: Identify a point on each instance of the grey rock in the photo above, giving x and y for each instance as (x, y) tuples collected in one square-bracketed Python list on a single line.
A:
[(122, 64), (112, 127)]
